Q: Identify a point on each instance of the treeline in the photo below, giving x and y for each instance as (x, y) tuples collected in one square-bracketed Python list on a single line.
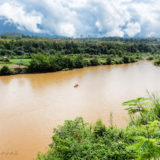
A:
[(131, 40), (51, 63), (77, 140), (28, 46), (14, 35), (41, 63)]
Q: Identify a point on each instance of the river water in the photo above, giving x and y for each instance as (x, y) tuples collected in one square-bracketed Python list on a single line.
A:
[(31, 105)]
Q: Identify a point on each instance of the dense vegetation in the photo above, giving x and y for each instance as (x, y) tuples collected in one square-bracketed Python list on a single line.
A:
[(48, 55), (5, 70), (51, 63), (157, 61), (77, 140), (27, 46)]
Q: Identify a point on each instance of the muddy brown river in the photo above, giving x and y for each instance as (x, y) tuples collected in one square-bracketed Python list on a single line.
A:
[(32, 105)]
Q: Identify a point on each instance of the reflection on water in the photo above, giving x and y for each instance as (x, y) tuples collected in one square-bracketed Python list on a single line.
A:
[(32, 105)]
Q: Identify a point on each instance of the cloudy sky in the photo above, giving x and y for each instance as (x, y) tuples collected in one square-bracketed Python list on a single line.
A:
[(123, 18)]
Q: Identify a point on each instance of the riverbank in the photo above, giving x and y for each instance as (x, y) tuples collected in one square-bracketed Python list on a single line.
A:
[(41, 63), (139, 140), (66, 54)]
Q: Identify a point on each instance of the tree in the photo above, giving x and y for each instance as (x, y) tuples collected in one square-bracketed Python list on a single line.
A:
[(126, 59), (108, 60), (94, 61), (78, 61), (39, 63)]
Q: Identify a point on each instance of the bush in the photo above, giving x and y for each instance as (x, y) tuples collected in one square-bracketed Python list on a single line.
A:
[(77, 140), (118, 61), (57, 62), (94, 62), (157, 61), (126, 59), (150, 58), (79, 61), (5, 70), (39, 63), (108, 60), (6, 60), (129, 59)]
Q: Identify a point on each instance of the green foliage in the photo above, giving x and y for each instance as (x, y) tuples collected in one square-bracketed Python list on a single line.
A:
[(157, 61), (147, 147), (77, 140), (65, 54), (126, 59), (94, 62), (57, 62), (79, 61), (39, 63), (20, 61), (129, 59), (108, 60), (111, 51), (5, 70), (138, 105), (25, 45), (6, 60), (150, 58), (118, 61)]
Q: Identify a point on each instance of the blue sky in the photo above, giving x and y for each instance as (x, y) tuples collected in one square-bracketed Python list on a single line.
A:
[(73, 18)]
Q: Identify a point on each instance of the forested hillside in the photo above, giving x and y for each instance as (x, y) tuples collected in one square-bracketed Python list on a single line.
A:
[(116, 46), (54, 54)]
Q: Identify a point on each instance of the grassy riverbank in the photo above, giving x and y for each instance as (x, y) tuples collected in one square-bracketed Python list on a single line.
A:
[(40, 63), (37, 55), (78, 140), (13, 66)]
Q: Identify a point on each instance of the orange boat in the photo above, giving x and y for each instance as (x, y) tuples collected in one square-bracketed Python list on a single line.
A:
[(76, 86)]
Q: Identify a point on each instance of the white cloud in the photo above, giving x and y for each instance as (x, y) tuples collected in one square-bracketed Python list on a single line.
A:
[(132, 29), (84, 17), (66, 29), (98, 25), (14, 13)]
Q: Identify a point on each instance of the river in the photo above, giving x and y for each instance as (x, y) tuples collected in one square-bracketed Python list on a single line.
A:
[(31, 105)]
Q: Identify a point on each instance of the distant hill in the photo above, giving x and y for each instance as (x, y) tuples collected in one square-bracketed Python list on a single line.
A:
[(17, 35)]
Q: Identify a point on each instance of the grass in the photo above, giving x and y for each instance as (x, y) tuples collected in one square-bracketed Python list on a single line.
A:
[(22, 62), (17, 61)]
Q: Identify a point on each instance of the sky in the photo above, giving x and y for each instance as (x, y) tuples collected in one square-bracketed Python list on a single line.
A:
[(76, 18)]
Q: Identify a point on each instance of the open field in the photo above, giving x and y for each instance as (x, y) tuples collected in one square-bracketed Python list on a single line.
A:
[(15, 63), (20, 61)]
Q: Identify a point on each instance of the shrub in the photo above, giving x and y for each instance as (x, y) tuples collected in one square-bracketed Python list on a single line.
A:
[(108, 60), (5, 70), (77, 140), (150, 58), (94, 62), (157, 62)]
